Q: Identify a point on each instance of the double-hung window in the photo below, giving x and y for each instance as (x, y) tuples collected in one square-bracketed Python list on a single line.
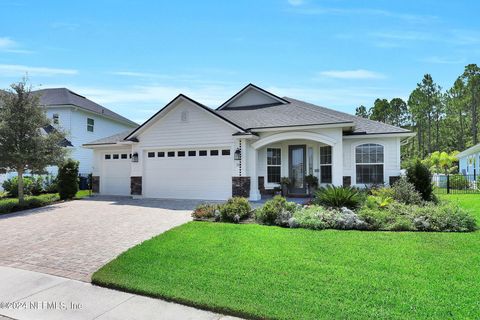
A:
[(274, 162), (90, 124), (369, 163), (326, 164)]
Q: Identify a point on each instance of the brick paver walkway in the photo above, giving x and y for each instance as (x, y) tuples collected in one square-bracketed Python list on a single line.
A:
[(73, 239)]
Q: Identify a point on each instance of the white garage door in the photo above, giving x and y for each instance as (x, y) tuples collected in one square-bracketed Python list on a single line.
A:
[(189, 174), (116, 174)]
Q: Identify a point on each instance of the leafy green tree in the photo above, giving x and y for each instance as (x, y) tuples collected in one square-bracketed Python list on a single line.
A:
[(398, 115), (441, 162), (380, 110), (362, 112), (471, 79), (24, 145)]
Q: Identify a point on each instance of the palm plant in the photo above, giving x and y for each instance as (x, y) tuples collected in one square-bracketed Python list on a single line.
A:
[(338, 197)]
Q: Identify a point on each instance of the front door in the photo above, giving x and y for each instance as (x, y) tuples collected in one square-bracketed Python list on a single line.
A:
[(297, 165)]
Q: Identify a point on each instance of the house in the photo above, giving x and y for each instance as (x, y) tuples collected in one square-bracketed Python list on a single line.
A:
[(243, 148), (82, 119), (469, 161)]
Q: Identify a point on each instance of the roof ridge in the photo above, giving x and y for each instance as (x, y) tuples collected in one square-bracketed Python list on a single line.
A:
[(351, 116)]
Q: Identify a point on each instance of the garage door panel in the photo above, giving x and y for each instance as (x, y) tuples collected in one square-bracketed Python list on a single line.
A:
[(189, 177), (116, 177)]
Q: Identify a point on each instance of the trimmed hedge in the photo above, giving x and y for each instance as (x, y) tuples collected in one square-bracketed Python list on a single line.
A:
[(12, 205)]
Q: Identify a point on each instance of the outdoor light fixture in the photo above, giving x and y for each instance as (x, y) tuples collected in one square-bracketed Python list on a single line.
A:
[(135, 157), (238, 154)]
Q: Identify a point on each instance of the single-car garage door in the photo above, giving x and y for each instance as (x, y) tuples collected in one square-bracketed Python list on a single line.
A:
[(115, 179), (188, 174)]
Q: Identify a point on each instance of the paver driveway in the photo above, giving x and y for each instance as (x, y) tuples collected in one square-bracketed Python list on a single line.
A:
[(75, 238)]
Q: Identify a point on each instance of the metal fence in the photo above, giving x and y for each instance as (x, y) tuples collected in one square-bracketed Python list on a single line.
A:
[(456, 183)]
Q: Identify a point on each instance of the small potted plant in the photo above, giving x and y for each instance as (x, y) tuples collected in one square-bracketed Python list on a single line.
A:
[(285, 183), (277, 191), (312, 183)]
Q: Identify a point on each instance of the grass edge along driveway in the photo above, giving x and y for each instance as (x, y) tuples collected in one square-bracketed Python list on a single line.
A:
[(269, 272)]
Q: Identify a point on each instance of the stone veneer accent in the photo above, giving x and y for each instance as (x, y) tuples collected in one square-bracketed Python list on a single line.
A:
[(393, 179), (95, 184), (347, 181), (136, 186), (241, 187)]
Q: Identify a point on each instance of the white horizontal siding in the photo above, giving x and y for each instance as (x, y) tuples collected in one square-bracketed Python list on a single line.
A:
[(79, 135), (200, 129), (391, 155)]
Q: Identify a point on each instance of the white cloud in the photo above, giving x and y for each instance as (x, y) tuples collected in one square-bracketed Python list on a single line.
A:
[(6, 43), (351, 74), (9, 45), (15, 70)]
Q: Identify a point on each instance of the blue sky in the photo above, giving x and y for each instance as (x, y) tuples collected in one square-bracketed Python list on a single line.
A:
[(133, 57)]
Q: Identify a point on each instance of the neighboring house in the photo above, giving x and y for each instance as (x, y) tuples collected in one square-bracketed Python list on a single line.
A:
[(82, 119), (244, 147), (469, 161)]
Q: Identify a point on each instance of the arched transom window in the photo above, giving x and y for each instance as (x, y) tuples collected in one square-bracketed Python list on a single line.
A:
[(369, 163)]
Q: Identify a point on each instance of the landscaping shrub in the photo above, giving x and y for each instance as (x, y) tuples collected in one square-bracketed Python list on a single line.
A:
[(36, 188), (420, 176), (337, 197), (50, 184), (430, 217), (459, 182), (205, 211), (318, 217), (12, 205), (404, 192), (11, 186), (68, 179), (276, 211), (236, 206), (309, 218), (444, 217)]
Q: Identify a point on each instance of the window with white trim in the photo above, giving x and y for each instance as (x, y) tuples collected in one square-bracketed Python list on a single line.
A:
[(326, 164), (274, 163), (369, 160), (90, 124)]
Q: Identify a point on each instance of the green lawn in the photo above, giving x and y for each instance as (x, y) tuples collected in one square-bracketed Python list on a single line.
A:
[(269, 272)]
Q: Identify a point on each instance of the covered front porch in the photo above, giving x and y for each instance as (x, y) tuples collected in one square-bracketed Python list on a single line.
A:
[(292, 155)]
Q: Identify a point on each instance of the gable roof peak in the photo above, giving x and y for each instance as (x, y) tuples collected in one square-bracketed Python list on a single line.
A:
[(261, 97)]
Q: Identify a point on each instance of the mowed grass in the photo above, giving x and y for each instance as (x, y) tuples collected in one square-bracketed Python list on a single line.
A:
[(269, 272)]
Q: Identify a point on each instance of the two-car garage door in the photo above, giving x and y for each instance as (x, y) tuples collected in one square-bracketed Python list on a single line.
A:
[(188, 174)]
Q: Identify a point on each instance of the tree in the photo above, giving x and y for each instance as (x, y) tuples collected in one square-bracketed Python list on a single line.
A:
[(24, 145), (441, 161), (362, 112), (471, 79), (380, 110), (398, 115)]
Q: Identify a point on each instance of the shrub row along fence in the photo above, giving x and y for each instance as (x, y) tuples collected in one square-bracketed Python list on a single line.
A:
[(456, 183)]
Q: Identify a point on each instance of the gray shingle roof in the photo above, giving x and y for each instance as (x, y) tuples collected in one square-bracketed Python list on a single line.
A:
[(300, 113), (111, 139), (63, 96)]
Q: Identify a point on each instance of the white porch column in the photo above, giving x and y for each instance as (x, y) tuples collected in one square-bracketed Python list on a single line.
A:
[(337, 163), (252, 160)]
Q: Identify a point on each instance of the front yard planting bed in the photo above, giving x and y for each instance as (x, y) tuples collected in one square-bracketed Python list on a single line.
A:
[(260, 271), (9, 205)]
